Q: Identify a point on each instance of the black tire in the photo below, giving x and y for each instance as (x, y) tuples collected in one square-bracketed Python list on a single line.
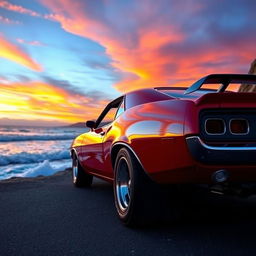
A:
[(79, 177), (136, 196)]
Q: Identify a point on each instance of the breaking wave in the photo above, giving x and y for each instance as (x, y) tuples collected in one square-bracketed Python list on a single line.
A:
[(28, 158), (45, 169)]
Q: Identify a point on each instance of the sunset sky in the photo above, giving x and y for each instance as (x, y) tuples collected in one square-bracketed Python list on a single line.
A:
[(61, 61)]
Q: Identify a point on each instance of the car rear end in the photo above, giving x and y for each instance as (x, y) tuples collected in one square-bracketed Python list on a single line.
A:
[(221, 137)]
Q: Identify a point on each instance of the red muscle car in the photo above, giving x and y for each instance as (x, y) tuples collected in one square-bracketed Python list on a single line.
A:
[(170, 135)]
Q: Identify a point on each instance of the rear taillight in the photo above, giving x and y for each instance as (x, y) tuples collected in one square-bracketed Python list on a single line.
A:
[(239, 126), (215, 126)]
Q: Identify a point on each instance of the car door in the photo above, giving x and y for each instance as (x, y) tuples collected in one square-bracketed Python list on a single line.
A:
[(110, 134), (93, 157), (92, 151)]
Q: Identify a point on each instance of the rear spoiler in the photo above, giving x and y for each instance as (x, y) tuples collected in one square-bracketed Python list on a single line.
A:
[(223, 79)]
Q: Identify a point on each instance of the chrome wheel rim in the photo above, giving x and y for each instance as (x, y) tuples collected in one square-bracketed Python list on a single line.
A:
[(74, 169), (123, 184)]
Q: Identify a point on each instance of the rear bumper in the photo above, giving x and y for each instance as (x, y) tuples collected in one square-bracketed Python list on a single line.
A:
[(209, 155), (203, 161), (203, 174)]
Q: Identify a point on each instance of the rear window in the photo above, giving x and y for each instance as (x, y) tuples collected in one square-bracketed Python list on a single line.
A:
[(180, 93)]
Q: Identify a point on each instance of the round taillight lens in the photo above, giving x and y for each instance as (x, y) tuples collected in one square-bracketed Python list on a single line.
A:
[(215, 126), (239, 126)]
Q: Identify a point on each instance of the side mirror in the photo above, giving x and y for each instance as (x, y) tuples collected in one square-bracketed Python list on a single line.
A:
[(90, 124)]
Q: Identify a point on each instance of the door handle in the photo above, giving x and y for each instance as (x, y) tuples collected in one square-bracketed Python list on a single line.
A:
[(102, 133)]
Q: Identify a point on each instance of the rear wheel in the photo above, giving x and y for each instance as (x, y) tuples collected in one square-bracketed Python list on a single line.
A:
[(79, 177), (137, 198)]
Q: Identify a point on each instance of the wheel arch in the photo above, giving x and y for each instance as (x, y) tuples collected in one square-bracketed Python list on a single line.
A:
[(115, 149), (73, 152)]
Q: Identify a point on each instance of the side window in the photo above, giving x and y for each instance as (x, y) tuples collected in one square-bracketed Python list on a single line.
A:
[(120, 110), (109, 117), (111, 111)]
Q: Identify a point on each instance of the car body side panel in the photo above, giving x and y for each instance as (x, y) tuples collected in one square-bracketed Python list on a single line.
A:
[(111, 134), (155, 132), (168, 154), (90, 152)]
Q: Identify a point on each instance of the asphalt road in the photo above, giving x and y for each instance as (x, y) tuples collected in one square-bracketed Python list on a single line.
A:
[(48, 216)]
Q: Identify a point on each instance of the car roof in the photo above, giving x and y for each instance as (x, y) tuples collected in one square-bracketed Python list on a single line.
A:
[(193, 92), (147, 95)]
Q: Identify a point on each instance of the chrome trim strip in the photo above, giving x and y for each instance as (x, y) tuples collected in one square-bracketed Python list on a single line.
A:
[(237, 119), (220, 148), (225, 129), (101, 176)]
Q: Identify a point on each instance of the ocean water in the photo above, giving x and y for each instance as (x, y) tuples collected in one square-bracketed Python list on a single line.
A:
[(33, 151)]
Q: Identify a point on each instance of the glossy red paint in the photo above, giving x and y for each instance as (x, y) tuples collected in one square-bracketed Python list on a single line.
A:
[(154, 127)]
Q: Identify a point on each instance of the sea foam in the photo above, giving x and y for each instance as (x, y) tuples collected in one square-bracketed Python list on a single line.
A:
[(43, 168), (32, 151)]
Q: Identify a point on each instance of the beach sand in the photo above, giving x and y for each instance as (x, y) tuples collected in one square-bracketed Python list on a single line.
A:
[(49, 216), (39, 179)]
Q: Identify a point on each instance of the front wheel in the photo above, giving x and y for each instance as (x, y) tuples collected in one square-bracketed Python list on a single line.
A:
[(79, 177)]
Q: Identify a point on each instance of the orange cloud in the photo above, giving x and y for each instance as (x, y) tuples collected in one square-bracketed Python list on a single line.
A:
[(146, 66), (137, 51), (16, 8), (14, 53), (36, 99), (141, 64), (151, 46)]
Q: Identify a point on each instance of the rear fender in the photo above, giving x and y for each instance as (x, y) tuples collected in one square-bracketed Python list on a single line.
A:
[(115, 149)]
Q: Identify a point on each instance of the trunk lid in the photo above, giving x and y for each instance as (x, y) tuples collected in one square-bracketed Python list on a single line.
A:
[(228, 100)]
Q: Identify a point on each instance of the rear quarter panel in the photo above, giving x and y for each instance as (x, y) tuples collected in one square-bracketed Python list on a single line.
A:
[(155, 132)]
